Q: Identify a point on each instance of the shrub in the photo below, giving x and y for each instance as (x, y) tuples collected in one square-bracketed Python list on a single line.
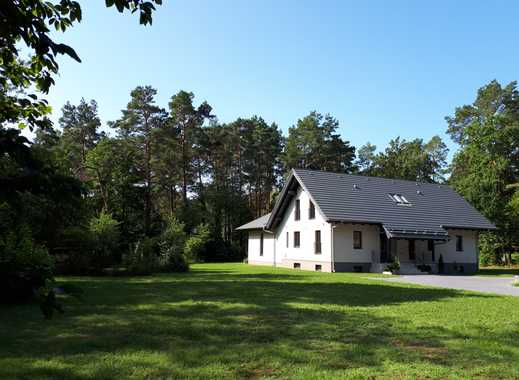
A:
[(105, 234), (74, 253), (490, 248), (394, 266), (441, 265), (196, 243), (24, 265), (143, 258), (177, 263), (172, 245), (218, 250)]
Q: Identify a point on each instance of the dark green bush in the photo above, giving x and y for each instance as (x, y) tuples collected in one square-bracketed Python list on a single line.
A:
[(172, 247), (143, 258), (74, 253), (196, 243), (24, 265), (441, 265)]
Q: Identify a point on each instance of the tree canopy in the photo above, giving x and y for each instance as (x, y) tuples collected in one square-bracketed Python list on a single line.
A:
[(485, 170)]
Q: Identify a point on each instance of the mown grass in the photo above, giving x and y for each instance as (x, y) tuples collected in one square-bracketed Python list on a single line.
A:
[(237, 321), (497, 271)]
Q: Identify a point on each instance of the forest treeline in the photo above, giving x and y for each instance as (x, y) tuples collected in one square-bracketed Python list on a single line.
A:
[(177, 168), (179, 162)]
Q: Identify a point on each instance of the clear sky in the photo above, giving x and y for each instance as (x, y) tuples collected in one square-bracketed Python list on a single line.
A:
[(382, 68)]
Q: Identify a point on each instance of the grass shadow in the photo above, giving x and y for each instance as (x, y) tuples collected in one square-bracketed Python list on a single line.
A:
[(237, 323)]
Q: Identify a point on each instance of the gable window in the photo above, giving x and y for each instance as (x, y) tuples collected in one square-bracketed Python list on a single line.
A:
[(298, 210), (311, 210), (287, 239), (297, 241), (261, 244), (459, 243), (412, 255), (399, 199), (357, 239), (317, 242)]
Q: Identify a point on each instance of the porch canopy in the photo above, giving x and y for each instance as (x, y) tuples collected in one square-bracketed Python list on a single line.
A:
[(399, 232)]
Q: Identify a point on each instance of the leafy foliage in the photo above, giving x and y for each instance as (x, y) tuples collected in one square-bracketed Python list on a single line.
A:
[(314, 144), (485, 170), (412, 160), (105, 233), (196, 243), (29, 22)]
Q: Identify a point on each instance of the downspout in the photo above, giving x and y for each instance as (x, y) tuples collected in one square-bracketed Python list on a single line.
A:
[(332, 253)]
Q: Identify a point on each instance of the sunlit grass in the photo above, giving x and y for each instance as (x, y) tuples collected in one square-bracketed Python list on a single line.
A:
[(503, 271), (237, 321)]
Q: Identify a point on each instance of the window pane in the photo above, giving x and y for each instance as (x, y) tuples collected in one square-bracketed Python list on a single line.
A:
[(357, 239), (296, 239), (459, 243), (311, 210)]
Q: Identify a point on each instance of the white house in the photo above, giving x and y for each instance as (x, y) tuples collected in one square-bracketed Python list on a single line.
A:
[(340, 223)]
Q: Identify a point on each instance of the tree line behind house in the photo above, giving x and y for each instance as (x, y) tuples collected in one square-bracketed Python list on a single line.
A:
[(168, 185)]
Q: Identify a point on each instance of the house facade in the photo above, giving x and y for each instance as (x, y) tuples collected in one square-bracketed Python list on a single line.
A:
[(346, 223)]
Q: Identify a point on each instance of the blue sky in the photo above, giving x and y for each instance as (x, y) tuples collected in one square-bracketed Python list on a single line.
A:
[(382, 68)]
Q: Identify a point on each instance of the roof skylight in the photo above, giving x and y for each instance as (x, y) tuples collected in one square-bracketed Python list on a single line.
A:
[(399, 199)]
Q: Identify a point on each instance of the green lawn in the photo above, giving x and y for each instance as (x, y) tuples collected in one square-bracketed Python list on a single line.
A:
[(499, 271), (238, 321)]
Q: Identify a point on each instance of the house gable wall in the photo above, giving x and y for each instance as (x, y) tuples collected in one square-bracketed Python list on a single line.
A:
[(304, 255)]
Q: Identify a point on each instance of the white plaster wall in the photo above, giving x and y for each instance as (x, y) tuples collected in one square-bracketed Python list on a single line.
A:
[(343, 243), (448, 250), (254, 248), (307, 228)]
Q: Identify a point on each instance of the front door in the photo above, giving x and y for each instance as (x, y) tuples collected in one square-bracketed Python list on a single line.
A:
[(412, 253), (384, 248)]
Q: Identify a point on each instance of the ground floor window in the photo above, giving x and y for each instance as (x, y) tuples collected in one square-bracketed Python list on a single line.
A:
[(297, 265), (317, 242), (297, 241), (318, 267), (357, 239), (459, 243), (261, 244)]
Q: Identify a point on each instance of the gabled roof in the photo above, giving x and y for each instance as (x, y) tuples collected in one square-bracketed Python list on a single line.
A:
[(351, 198), (256, 224)]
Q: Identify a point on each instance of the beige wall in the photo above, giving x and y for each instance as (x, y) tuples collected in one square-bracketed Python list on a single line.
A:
[(307, 264), (343, 243), (448, 250)]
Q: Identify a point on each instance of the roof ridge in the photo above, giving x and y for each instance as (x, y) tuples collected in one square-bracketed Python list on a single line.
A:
[(371, 177)]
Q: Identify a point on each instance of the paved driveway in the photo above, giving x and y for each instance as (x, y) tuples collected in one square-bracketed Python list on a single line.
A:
[(496, 285)]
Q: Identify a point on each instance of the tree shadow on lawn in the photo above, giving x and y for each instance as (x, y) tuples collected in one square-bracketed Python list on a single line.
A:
[(244, 326)]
